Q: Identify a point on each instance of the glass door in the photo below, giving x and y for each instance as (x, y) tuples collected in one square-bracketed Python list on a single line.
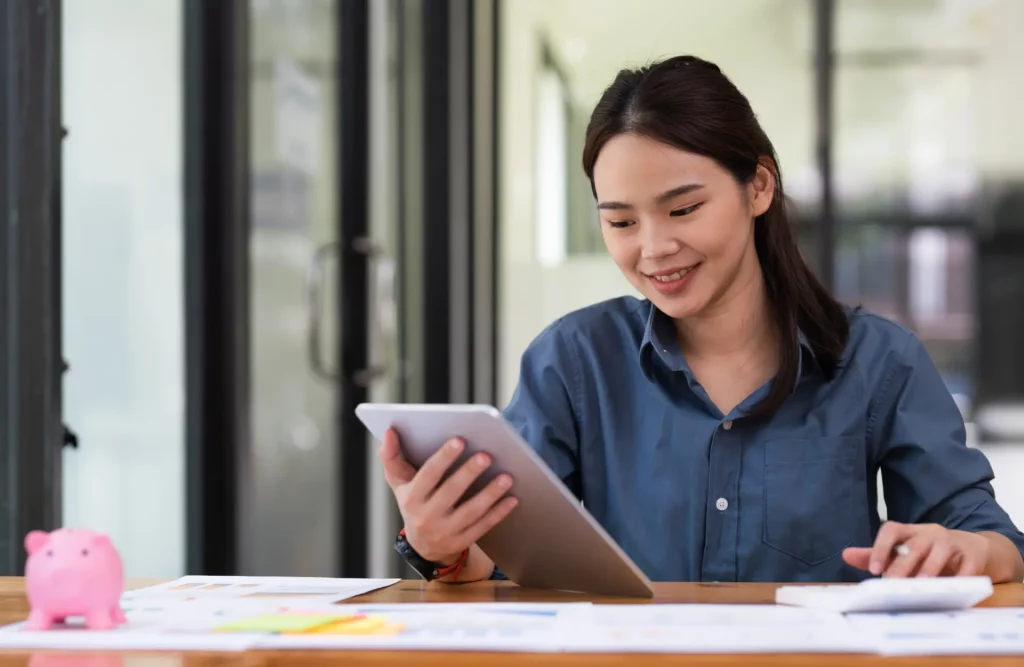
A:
[(288, 514)]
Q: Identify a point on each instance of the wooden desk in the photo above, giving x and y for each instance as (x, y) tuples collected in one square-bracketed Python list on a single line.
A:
[(13, 608)]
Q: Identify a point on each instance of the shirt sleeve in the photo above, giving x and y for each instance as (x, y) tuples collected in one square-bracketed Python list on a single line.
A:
[(541, 408), (929, 474)]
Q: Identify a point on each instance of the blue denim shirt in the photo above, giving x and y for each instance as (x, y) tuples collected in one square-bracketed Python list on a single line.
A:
[(608, 401)]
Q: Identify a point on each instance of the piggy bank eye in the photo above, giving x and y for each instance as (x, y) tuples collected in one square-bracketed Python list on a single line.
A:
[(85, 552), (49, 552)]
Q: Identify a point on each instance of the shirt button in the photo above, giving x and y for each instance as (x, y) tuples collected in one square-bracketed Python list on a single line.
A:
[(722, 504), (727, 425)]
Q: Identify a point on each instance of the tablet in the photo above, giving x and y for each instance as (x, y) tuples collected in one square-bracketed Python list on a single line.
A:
[(549, 540)]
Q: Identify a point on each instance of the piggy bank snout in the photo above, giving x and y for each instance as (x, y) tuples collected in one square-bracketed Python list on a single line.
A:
[(65, 576)]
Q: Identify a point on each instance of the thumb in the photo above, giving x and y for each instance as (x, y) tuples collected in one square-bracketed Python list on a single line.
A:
[(397, 470), (858, 557)]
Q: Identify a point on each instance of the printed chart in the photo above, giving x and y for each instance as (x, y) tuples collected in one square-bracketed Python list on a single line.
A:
[(696, 628), (289, 589), (976, 631)]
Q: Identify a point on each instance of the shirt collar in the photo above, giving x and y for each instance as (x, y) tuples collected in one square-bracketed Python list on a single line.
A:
[(660, 342)]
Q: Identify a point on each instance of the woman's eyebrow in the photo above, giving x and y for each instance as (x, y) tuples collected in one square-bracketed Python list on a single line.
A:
[(661, 199)]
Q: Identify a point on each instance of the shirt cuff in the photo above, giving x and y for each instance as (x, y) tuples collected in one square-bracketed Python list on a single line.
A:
[(975, 510)]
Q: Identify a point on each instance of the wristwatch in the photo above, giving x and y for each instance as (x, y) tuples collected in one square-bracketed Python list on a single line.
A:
[(429, 570)]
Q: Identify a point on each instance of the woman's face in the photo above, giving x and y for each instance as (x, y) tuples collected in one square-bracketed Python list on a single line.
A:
[(678, 225)]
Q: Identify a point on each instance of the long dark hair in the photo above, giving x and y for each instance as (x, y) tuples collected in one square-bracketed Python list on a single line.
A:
[(690, 104)]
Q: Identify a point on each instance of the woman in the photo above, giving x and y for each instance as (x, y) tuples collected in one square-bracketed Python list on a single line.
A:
[(729, 427)]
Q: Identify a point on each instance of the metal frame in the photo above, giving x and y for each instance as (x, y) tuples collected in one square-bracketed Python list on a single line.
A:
[(31, 366), (353, 289), (436, 245), (824, 74), (460, 75), (216, 277), (487, 114)]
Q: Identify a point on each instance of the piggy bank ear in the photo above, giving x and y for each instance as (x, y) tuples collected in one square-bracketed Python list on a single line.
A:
[(100, 540), (35, 541)]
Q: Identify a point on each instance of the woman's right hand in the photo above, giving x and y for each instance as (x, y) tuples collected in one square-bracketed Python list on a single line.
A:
[(437, 529)]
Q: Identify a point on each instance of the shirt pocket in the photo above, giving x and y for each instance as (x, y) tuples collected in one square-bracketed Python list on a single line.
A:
[(809, 495)]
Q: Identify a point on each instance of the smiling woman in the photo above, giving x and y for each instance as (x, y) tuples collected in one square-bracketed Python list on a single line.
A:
[(732, 424), (693, 206)]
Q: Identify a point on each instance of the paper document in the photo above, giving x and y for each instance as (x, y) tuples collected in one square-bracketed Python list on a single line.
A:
[(306, 589), (702, 628), (975, 631), (199, 613)]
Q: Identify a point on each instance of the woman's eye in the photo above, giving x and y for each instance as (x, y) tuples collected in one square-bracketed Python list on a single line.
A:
[(684, 211), (619, 224)]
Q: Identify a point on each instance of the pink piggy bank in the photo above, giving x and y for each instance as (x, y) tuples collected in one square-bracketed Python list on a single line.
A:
[(73, 573)]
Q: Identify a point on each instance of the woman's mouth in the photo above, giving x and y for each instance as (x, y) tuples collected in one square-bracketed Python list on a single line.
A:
[(673, 281)]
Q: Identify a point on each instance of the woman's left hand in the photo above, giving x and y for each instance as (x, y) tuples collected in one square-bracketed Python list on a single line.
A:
[(922, 550)]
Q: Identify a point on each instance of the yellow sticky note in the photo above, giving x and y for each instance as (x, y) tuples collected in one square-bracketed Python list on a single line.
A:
[(283, 623)]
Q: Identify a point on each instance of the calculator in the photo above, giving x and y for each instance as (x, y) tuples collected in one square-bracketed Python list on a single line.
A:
[(890, 595)]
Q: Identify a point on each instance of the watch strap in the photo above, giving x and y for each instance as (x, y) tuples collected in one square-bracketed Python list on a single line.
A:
[(429, 570)]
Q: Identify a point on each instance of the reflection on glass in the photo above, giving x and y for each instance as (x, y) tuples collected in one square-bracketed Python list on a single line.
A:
[(122, 274), (916, 100), (288, 508)]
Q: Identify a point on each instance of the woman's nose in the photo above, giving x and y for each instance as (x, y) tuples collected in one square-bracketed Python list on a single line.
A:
[(657, 241)]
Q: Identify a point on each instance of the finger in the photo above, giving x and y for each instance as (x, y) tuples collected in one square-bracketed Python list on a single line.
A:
[(431, 472), (858, 557), (492, 518), (905, 564), (890, 534), (455, 486), (397, 470), (937, 560), (474, 509)]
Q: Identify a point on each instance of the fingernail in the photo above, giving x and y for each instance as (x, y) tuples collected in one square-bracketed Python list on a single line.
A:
[(504, 482), (482, 460), (876, 567), (455, 445)]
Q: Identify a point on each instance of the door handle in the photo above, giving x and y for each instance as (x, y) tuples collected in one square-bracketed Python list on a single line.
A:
[(383, 278), (384, 313), (314, 288), (70, 438)]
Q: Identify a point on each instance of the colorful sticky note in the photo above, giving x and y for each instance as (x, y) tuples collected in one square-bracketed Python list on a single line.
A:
[(279, 623), (358, 625)]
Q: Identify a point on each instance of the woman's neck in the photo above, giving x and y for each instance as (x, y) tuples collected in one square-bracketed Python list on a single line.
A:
[(739, 324)]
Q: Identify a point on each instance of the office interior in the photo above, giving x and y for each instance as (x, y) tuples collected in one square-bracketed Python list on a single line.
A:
[(229, 223)]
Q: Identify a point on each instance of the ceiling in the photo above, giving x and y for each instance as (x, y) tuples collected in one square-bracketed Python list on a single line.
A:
[(886, 108), (592, 39)]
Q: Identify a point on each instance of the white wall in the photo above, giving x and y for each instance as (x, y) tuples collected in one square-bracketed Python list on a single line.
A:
[(123, 281)]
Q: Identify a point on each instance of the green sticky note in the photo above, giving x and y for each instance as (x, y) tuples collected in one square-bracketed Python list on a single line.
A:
[(279, 623)]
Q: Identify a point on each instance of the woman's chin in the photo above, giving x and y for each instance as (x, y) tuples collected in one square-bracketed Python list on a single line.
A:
[(678, 307)]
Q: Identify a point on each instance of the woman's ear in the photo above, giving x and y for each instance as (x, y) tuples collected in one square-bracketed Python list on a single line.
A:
[(761, 189)]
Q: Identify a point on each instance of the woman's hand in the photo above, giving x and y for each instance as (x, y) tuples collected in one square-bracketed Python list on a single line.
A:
[(923, 550), (437, 529)]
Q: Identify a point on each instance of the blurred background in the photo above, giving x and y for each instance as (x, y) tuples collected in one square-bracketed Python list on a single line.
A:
[(228, 223)]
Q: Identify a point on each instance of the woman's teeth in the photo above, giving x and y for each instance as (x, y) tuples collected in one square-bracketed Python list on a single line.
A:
[(672, 276)]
